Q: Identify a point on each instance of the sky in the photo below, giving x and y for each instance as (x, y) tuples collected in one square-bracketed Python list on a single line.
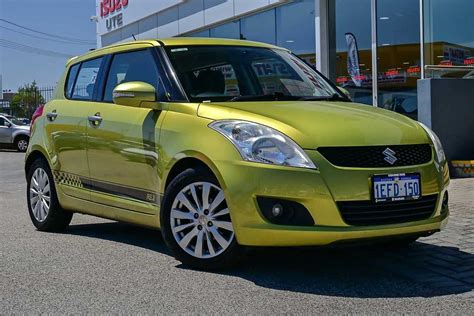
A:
[(65, 18)]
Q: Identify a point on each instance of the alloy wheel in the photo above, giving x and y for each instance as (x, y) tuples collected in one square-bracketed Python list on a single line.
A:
[(200, 220), (22, 145), (40, 194)]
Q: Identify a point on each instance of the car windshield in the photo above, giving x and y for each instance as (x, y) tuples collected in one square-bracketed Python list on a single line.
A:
[(239, 73)]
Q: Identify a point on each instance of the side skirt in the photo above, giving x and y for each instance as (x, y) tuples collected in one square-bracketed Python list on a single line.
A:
[(109, 212)]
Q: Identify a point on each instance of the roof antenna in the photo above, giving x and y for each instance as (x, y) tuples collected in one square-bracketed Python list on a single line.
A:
[(134, 37)]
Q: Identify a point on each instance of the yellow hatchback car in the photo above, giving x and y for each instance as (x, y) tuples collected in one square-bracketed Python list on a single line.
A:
[(224, 144)]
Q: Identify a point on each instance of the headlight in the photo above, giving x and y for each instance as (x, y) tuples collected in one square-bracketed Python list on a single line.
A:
[(259, 143), (436, 142)]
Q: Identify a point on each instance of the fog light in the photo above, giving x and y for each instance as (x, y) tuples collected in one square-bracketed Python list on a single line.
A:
[(284, 212), (277, 210)]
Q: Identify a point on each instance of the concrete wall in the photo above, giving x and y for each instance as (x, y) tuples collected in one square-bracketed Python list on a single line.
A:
[(447, 106)]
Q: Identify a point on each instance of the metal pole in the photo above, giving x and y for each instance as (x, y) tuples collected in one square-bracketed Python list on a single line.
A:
[(375, 89), (322, 34), (422, 39)]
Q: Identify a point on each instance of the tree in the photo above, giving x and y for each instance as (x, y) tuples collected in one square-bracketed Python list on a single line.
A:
[(26, 100)]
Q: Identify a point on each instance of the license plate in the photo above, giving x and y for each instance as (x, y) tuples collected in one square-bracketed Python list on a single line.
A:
[(396, 187)]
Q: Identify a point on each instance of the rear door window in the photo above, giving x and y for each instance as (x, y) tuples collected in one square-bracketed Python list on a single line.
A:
[(86, 80), (132, 66)]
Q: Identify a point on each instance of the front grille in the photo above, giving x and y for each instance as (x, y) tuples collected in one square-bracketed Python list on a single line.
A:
[(367, 213), (374, 157)]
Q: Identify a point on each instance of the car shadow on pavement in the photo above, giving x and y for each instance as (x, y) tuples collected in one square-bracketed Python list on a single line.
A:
[(122, 233), (418, 270), (362, 272)]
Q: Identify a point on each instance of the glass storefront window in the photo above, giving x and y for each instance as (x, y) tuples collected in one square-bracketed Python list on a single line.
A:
[(449, 37), (295, 28), (228, 30), (204, 33), (353, 48), (259, 27), (399, 68)]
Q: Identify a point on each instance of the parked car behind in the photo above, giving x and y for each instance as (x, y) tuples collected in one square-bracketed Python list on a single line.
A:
[(14, 133)]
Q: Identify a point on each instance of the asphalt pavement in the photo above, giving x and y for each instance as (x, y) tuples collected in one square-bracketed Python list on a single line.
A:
[(100, 266)]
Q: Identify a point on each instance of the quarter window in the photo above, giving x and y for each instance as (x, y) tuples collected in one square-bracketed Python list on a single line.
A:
[(131, 66), (70, 80), (86, 79)]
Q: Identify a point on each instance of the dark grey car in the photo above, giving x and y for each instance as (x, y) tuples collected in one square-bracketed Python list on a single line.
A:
[(14, 133)]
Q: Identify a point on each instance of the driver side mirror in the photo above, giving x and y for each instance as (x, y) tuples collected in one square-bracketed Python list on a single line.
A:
[(136, 94), (345, 92), (8, 124)]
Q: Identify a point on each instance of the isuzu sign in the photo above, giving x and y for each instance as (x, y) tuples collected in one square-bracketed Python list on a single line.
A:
[(114, 14), (108, 8)]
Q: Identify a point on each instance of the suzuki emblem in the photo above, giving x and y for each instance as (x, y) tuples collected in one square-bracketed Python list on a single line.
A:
[(389, 156)]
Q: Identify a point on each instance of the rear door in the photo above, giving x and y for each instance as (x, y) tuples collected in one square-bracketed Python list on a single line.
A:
[(66, 125), (122, 145)]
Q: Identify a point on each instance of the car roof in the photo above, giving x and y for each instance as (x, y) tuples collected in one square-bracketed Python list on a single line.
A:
[(173, 41)]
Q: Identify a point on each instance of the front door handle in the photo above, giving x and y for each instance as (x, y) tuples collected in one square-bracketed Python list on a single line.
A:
[(95, 120), (52, 115)]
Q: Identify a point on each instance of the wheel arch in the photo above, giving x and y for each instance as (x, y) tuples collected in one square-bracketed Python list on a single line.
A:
[(32, 156), (188, 160), (19, 135)]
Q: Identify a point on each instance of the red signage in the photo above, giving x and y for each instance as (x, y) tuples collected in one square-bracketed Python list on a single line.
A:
[(469, 61), (414, 69), (110, 6), (391, 73), (342, 79), (446, 63)]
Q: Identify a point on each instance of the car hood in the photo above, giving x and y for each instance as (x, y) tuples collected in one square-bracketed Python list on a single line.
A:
[(315, 124), (22, 127)]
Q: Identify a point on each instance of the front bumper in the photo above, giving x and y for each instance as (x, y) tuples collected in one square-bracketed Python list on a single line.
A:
[(318, 191)]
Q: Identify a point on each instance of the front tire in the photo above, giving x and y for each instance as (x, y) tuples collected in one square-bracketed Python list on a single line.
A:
[(196, 224), (43, 205)]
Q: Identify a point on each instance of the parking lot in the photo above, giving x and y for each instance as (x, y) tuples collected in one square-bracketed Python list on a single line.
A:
[(101, 266)]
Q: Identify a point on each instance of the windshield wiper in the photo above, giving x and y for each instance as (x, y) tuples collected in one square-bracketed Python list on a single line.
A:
[(334, 97), (277, 96)]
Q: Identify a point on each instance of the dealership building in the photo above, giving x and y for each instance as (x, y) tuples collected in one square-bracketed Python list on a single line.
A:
[(376, 49)]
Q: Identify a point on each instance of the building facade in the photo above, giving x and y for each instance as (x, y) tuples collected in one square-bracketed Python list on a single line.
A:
[(351, 41)]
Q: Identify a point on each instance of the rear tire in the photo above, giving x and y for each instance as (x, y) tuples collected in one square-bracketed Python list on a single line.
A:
[(43, 205), (196, 224), (21, 143)]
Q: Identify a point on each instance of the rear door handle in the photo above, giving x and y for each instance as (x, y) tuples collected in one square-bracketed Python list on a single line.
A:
[(52, 115), (95, 120)]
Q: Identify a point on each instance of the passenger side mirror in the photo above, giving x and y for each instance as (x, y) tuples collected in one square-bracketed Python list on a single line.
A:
[(136, 94), (8, 124), (345, 92)]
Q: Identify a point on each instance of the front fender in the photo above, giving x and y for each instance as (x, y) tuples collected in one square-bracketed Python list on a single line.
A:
[(185, 135)]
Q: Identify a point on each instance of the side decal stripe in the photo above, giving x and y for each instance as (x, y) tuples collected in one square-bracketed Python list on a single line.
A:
[(64, 178)]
